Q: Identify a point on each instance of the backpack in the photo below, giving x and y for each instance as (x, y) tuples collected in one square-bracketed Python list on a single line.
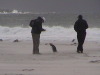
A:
[(31, 23)]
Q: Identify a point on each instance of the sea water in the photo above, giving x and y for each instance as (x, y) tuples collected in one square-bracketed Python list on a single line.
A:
[(59, 26)]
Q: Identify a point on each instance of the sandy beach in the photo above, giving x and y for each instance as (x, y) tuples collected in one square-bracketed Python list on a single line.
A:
[(16, 58)]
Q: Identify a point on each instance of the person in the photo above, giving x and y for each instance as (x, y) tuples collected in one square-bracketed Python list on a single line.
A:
[(36, 25), (80, 27)]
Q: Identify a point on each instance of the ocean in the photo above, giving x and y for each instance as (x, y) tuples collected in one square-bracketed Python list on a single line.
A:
[(59, 26)]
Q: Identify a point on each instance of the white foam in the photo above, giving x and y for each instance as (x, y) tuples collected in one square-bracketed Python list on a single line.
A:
[(14, 12), (93, 34), (55, 33)]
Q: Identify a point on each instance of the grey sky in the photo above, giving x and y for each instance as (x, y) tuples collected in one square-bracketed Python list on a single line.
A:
[(52, 5)]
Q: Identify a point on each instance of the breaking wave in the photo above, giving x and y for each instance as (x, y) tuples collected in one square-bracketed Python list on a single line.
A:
[(55, 33)]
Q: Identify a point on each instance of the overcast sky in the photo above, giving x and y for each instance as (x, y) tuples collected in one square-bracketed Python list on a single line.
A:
[(52, 5)]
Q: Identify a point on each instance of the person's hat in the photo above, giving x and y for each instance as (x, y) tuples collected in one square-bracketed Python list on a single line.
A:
[(39, 17), (80, 16), (42, 18)]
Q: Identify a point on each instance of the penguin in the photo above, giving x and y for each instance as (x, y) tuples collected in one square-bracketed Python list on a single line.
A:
[(53, 47)]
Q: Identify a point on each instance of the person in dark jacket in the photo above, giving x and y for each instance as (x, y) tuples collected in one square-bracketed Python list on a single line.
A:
[(36, 25), (80, 27)]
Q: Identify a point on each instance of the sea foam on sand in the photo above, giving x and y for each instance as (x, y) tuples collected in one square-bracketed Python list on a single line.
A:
[(16, 58)]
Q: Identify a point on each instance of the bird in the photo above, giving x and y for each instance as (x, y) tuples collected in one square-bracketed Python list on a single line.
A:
[(53, 47)]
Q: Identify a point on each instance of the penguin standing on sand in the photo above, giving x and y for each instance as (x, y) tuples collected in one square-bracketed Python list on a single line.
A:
[(53, 47)]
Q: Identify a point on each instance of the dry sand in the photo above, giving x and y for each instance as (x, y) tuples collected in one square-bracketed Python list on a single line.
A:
[(16, 58)]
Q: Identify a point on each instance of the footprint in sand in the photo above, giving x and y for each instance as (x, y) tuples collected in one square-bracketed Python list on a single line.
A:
[(27, 69), (95, 61)]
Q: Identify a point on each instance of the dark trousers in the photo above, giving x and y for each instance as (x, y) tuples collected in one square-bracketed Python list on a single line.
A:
[(36, 42), (81, 39)]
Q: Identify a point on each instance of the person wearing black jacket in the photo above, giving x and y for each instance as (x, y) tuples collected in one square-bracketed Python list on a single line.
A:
[(36, 25), (80, 27)]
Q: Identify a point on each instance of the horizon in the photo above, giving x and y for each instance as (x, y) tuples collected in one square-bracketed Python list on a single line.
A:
[(64, 6)]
